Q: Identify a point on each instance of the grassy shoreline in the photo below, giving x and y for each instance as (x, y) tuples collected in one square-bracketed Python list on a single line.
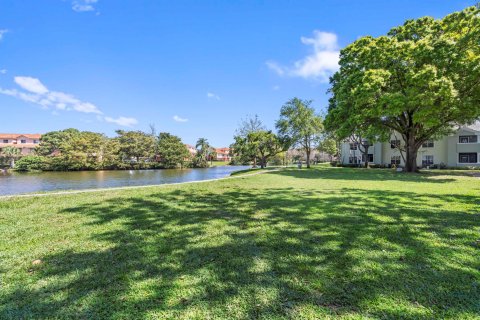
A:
[(303, 244)]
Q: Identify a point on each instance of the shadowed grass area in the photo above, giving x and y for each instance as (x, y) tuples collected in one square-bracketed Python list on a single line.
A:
[(292, 244)]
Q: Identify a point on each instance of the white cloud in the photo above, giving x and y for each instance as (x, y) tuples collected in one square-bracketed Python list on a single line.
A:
[(276, 88), (178, 119), (31, 84), (275, 67), (319, 65), (3, 71), (2, 32), (122, 121), (34, 91), (212, 95), (83, 5)]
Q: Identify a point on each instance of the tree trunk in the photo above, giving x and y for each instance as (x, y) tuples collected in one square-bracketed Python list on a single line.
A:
[(308, 157), (411, 158), (12, 163), (254, 162), (365, 155)]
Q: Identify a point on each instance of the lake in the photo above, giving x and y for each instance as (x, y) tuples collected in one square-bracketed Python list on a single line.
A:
[(20, 183)]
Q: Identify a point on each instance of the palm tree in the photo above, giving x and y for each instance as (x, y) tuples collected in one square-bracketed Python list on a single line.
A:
[(203, 148), (11, 153)]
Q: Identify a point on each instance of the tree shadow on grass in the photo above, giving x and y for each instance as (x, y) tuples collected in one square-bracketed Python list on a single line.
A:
[(263, 253), (371, 174)]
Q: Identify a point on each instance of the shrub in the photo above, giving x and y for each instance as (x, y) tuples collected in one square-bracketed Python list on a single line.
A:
[(31, 163)]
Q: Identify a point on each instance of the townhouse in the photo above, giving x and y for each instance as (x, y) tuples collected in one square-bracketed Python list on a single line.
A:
[(461, 149), (223, 154), (26, 143)]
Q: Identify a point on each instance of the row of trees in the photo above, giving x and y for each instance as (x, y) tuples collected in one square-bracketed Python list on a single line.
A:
[(298, 127), (72, 149)]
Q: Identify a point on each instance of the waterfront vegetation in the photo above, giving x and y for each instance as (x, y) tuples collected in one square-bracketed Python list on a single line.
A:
[(287, 244), (74, 150)]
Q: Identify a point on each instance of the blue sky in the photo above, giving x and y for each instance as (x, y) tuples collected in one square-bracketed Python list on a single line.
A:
[(192, 68)]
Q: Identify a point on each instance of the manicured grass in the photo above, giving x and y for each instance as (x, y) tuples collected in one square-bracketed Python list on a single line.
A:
[(253, 170), (219, 163), (291, 244)]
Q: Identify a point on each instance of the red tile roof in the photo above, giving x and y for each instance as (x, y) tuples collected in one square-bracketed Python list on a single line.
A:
[(18, 135)]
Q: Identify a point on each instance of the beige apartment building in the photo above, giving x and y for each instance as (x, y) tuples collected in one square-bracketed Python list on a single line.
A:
[(461, 149), (26, 143)]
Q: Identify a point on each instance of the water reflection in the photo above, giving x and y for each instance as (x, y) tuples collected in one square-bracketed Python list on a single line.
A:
[(18, 183)]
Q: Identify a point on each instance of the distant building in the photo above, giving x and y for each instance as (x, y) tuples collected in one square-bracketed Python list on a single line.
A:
[(191, 149), (295, 154), (223, 154), (26, 143), (457, 150)]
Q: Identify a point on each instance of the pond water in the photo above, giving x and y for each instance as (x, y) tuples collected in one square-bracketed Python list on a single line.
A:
[(19, 183)]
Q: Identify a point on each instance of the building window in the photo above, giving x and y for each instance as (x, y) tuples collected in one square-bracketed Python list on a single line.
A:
[(467, 157), (35, 141), (427, 160), (395, 160), (5, 140), (23, 141), (467, 139), (353, 146), (370, 157), (353, 160), (428, 144), (395, 144)]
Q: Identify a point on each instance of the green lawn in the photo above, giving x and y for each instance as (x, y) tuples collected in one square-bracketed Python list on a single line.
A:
[(310, 244), (219, 163)]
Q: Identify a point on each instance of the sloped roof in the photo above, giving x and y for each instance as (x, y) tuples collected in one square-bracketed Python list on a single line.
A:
[(18, 135), (475, 126)]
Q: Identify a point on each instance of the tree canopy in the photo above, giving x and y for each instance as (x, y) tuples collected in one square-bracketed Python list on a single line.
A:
[(11, 153), (421, 80), (204, 152), (136, 145), (172, 152), (260, 144), (299, 125)]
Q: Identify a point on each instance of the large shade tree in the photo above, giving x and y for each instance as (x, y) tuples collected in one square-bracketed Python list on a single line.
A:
[(329, 146), (300, 126), (172, 151), (259, 145), (135, 145), (55, 141), (242, 150), (421, 81), (84, 151)]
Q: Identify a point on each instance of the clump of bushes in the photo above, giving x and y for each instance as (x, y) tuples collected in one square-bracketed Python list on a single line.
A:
[(32, 163)]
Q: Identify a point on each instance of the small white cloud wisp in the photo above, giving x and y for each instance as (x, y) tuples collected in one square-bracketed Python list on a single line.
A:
[(122, 121), (212, 95), (83, 5), (318, 65), (179, 119), (2, 32)]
